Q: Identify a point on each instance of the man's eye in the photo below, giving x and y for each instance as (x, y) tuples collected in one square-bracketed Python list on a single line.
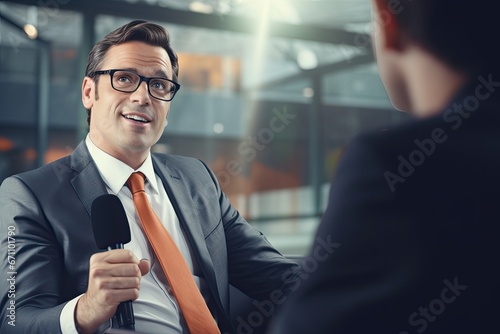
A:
[(124, 79), (158, 85)]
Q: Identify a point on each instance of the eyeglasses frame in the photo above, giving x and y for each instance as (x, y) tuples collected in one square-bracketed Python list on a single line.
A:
[(142, 78)]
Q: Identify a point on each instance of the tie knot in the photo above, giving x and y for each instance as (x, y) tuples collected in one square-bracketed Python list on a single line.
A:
[(136, 182)]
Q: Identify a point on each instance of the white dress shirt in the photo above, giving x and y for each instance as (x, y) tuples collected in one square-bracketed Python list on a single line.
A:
[(156, 310)]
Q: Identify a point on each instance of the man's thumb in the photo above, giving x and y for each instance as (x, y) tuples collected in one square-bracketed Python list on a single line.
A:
[(144, 266)]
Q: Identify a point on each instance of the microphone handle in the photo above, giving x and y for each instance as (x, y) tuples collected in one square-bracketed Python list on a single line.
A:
[(125, 316), (124, 312), (115, 246)]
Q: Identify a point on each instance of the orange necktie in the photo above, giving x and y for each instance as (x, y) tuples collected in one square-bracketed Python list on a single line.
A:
[(180, 278)]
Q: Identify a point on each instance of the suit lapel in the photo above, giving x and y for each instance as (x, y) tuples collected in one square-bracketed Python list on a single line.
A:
[(87, 183), (189, 220)]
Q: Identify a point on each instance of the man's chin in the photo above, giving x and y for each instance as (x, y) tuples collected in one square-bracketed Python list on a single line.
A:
[(401, 105)]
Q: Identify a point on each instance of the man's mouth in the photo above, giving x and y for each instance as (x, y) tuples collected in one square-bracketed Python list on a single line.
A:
[(136, 118)]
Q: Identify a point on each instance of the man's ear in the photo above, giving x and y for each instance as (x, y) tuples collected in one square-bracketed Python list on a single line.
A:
[(384, 17), (88, 92)]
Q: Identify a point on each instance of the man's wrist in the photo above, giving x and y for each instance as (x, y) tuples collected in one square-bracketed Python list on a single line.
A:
[(82, 317)]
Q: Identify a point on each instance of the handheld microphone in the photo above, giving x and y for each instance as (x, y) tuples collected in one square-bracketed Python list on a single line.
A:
[(111, 231)]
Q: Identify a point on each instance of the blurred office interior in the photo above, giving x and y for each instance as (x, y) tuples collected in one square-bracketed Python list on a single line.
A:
[(271, 92)]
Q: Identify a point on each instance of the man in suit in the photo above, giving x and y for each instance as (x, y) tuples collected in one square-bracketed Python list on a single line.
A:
[(58, 280), (414, 209)]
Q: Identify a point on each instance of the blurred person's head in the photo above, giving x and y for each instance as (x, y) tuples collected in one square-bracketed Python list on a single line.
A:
[(421, 40), (129, 104)]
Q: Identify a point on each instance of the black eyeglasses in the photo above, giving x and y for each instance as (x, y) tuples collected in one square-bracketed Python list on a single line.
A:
[(127, 81)]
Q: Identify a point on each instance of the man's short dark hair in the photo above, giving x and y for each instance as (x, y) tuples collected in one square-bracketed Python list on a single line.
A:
[(461, 33), (138, 30)]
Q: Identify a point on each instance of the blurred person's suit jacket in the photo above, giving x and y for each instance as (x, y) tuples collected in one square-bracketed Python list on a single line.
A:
[(50, 208), (421, 257)]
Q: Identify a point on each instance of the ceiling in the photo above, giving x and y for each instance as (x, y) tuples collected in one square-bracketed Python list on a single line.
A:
[(314, 17), (325, 13), (325, 28)]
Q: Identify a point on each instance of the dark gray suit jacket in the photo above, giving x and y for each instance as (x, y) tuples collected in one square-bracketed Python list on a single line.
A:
[(47, 211)]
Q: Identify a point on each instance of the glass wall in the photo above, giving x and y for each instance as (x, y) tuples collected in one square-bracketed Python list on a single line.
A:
[(270, 115), (39, 86)]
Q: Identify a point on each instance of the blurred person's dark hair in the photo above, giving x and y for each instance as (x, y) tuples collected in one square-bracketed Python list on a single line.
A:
[(461, 33)]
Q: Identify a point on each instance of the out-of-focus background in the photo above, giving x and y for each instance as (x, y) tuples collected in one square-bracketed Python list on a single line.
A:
[(272, 92)]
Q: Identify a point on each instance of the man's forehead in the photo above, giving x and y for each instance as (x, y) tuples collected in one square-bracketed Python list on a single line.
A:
[(139, 56)]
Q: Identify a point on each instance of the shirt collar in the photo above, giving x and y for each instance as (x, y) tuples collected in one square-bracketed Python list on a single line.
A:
[(115, 173)]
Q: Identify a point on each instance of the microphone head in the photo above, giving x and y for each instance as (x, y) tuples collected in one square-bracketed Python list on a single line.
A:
[(109, 221)]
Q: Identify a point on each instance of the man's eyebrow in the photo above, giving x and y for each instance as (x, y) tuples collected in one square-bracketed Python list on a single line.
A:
[(131, 69), (161, 73), (157, 73)]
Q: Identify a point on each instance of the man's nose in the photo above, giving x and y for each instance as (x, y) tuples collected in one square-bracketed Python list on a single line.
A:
[(141, 94)]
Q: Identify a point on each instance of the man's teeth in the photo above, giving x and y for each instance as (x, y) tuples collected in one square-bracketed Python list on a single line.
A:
[(136, 118)]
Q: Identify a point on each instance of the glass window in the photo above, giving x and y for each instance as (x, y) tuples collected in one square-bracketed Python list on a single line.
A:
[(22, 63)]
